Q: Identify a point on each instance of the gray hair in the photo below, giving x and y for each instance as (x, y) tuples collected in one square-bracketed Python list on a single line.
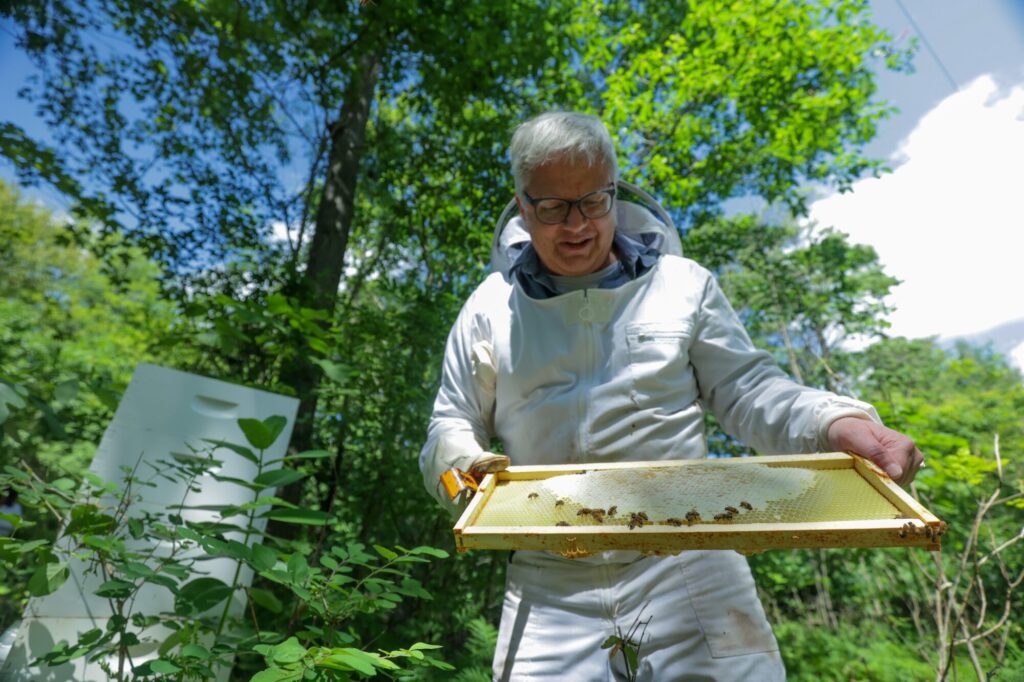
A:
[(560, 134)]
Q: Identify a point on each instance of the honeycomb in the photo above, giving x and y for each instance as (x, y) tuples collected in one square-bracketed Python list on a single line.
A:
[(758, 493)]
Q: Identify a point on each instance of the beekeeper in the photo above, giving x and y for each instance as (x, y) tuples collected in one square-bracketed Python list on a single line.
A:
[(599, 345)]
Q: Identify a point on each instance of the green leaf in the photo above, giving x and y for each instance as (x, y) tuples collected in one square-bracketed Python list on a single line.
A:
[(631, 656), (162, 666), (115, 589), (66, 391), (172, 641), (196, 651), (308, 517), (8, 396), (431, 551), (263, 557), (29, 546), (108, 397), (266, 599), (135, 569), (262, 434), (136, 528), (87, 519), (278, 478), (421, 646), (288, 651), (355, 659), (237, 449), (277, 675), (298, 568), (13, 519), (200, 595), (308, 454), (332, 370), (47, 578), (203, 462), (385, 552), (236, 550)]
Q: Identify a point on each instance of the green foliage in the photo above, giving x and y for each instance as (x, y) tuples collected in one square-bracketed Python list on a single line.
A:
[(72, 329), (857, 651), (474, 662), (802, 292), (953, 404), (326, 586), (714, 99)]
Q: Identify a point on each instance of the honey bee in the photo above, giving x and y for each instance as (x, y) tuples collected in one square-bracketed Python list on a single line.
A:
[(726, 516), (674, 522), (692, 517), (732, 510), (532, 496), (643, 515), (559, 503), (612, 509), (637, 519), (562, 523), (747, 505)]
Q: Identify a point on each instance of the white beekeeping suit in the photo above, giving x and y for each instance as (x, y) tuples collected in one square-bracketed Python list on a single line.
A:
[(622, 374)]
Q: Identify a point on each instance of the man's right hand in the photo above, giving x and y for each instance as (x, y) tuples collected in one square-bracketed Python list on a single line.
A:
[(487, 463), (490, 463)]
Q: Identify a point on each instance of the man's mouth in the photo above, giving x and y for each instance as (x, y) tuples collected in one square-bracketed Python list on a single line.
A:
[(580, 243)]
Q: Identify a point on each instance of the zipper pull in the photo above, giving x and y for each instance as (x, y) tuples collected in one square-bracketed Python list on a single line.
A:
[(586, 312)]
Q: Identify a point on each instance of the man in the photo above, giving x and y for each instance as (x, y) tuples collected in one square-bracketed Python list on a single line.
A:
[(597, 347)]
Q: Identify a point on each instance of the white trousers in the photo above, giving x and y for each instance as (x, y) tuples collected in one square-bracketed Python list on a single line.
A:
[(706, 622)]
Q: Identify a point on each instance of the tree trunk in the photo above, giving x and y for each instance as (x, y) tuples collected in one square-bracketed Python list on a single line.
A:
[(319, 285)]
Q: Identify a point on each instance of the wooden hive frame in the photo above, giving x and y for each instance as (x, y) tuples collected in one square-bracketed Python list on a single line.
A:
[(914, 527)]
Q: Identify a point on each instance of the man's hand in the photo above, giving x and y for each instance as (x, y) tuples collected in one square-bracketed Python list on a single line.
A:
[(892, 451), (489, 463), (486, 463)]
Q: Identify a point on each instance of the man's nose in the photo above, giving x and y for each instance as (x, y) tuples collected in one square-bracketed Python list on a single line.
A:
[(575, 220)]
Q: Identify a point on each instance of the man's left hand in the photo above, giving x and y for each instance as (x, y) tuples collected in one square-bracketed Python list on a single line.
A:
[(894, 452)]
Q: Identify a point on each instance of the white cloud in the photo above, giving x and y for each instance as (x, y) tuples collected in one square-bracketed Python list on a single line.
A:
[(280, 232), (949, 219)]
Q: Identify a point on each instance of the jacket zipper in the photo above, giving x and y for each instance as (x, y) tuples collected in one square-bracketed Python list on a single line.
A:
[(586, 317)]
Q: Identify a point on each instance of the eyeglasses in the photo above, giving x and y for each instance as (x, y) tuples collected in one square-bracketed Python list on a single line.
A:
[(552, 211)]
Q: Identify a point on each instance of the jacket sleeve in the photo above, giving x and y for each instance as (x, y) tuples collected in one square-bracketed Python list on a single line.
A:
[(462, 423), (750, 396)]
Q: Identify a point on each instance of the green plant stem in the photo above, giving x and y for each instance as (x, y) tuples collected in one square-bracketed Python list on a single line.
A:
[(250, 517)]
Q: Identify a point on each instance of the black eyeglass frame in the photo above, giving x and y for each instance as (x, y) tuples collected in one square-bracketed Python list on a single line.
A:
[(611, 191)]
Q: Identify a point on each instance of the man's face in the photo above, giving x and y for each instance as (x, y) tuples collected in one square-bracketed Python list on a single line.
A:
[(577, 245)]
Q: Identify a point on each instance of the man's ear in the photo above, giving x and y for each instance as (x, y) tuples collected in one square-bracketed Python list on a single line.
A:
[(519, 205)]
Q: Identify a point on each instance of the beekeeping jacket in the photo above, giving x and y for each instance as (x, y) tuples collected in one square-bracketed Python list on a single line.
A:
[(612, 375)]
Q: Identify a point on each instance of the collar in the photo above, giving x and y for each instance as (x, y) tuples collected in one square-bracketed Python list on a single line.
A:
[(636, 256)]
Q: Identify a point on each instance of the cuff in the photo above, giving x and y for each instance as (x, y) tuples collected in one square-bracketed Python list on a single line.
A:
[(838, 408), (460, 450)]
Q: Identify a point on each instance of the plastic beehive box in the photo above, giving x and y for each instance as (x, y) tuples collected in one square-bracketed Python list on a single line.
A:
[(747, 504)]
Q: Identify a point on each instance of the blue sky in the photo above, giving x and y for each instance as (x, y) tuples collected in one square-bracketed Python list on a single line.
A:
[(948, 220)]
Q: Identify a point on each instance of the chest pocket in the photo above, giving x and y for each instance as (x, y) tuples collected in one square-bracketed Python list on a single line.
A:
[(659, 363)]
